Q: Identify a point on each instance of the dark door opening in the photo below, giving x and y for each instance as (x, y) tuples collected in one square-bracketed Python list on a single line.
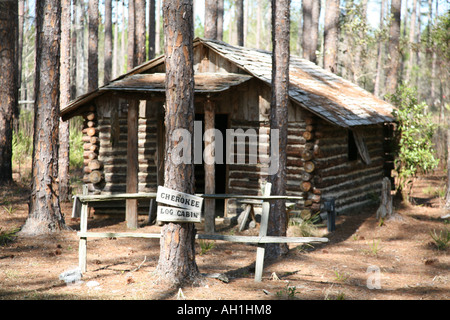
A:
[(221, 124)]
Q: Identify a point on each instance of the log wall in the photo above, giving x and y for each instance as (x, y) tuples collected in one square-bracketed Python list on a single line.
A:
[(352, 183)]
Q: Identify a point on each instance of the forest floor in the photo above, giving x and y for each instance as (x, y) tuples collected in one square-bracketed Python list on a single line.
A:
[(364, 259)]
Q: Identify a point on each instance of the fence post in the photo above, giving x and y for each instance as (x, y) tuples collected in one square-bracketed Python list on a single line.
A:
[(260, 252), (82, 249)]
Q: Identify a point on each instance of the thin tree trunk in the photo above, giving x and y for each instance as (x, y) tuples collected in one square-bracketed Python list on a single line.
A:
[(240, 21), (64, 135), (8, 85), (131, 46), (108, 43), (73, 52), (307, 29), (258, 24), (93, 45), (151, 30), (412, 35), (394, 49), (19, 51), (140, 21), (331, 35), (44, 209), (158, 28), (122, 63), (380, 51), (220, 20), (115, 60), (278, 120), (211, 19), (177, 250)]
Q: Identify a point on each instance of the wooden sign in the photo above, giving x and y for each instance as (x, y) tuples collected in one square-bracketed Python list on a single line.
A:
[(177, 214), (179, 199)]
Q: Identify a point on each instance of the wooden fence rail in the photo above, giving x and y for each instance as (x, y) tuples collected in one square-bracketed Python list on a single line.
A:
[(260, 240)]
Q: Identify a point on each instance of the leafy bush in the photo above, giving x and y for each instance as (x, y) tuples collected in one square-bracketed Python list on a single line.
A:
[(415, 154), (76, 148)]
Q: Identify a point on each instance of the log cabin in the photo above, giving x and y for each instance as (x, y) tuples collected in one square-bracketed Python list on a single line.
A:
[(338, 133)]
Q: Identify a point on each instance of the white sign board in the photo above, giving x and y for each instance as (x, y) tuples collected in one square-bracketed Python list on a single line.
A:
[(179, 199), (177, 214)]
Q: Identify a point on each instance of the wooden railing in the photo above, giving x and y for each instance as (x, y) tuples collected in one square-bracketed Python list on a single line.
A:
[(260, 240)]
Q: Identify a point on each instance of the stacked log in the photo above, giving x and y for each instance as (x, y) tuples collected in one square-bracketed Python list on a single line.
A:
[(92, 166), (352, 183)]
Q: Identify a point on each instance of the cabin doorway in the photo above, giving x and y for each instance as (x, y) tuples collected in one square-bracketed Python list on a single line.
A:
[(221, 124)]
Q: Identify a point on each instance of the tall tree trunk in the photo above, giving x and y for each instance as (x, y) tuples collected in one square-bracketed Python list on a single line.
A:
[(220, 20), (140, 21), (64, 145), (8, 84), (73, 52), (240, 21), (115, 56), (278, 120), (412, 35), (394, 47), (131, 46), (19, 52), (93, 45), (211, 19), (158, 28), (331, 35), (107, 75), (81, 62), (310, 32), (122, 63), (380, 50), (151, 29), (44, 210), (177, 251), (259, 11)]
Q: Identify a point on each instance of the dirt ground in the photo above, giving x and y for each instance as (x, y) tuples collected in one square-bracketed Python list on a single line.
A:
[(364, 260)]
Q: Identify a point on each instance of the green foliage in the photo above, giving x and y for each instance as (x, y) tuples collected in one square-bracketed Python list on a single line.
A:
[(287, 292), (441, 240), (205, 246), (76, 148), (7, 236), (441, 37), (415, 154)]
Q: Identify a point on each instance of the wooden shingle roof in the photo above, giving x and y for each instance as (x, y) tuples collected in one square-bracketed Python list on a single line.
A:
[(323, 93)]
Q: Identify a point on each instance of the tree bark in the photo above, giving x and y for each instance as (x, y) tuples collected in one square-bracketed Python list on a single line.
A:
[(278, 121), (177, 247), (151, 29), (394, 49), (211, 19), (380, 50), (412, 35), (8, 85), (331, 36), (240, 21), (44, 211), (93, 45), (131, 53), (220, 20), (64, 135), (140, 16), (107, 75)]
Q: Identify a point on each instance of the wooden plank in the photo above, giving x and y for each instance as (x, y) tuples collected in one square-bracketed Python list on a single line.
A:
[(217, 237), (209, 167), (133, 164), (124, 196), (82, 249), (260, 252)]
